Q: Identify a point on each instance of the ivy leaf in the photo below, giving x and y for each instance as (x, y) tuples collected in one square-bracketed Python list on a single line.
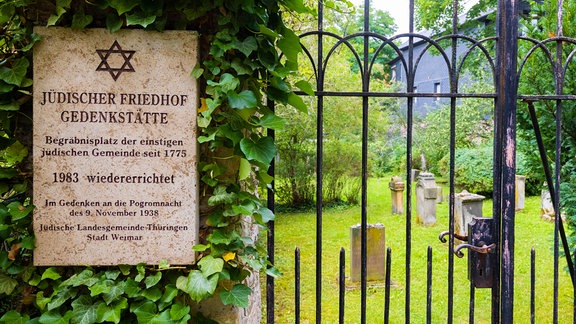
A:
[(62, 297), (270, 120), (296, 101), (152, 294), (101, 287), (290, 45), (144, 311), (80, 20), (305, 86), (13, 317), (220, 237), (227, 83), (153, 280), (244, 169), (113, 23), (7, 284), (41, 301), (12, 106), (54, 19), (5, 87), (111, 313), (170, 292), (115, 291), (54, 317), (18, 211), (210, 265), (83, 278), (242, 100), (16, 74), (139, 18), (237, 296), (247, 46), (15, 153), (197, 286), (123, 6), (263, 150), (147, 312), (8, 173), (49, 273), (84, 310), (220, 196), (267, 214), (179, 312)]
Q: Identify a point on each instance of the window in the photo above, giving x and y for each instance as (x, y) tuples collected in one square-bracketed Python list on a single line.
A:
[(437, 89)]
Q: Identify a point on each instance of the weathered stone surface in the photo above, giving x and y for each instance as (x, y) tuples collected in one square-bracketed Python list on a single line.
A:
[(426, 193), (375, 251), (520, 194), (115, 178), (396, 186), (466, 206)]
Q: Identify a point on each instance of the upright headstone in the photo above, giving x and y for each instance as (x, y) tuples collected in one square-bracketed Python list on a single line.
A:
[(426, 193), (397, 191), (115, 178), (520, 191), (466, 206), (546, 206), (376, 254)]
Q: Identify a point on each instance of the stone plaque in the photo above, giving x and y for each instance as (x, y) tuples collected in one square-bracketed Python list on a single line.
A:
[(115, 178)]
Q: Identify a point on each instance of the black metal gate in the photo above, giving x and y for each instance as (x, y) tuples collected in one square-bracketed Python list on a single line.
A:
[(505, 64)]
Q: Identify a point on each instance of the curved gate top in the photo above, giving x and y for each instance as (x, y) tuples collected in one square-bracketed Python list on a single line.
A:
[(430, 69)]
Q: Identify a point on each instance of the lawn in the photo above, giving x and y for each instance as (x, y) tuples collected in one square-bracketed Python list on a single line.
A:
[(299, 230)]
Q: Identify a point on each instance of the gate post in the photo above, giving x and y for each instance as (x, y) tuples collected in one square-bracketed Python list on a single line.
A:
[(505, 158)]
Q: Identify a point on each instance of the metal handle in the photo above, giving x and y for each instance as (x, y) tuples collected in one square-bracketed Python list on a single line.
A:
[(446, 233), (484, 249)]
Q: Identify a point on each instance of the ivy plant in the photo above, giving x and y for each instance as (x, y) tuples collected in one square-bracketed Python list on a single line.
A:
[(247, 56)]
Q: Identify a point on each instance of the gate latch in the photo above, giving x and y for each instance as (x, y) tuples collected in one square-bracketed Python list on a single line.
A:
[(481, 258)]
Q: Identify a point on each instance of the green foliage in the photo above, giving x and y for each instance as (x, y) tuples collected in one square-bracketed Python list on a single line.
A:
[(474, 124), (240, 66), (537, 78)]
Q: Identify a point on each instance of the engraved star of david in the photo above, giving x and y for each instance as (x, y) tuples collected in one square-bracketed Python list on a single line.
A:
[(115, 71)]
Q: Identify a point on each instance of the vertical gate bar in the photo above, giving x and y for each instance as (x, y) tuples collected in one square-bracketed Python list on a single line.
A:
[(297, 285), (387, 287), (559, 75), (319, 158), (532, 285), (409, 116), (472, 302), (271, 234), (364, 222), (550, 183), (507, 93), (453, 89), (429, 287), (574, 290), (342, 284)]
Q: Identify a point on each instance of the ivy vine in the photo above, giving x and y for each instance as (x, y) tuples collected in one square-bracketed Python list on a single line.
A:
[(240, 67)]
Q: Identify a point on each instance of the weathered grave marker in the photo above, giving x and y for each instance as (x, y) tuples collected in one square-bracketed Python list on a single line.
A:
[(426, 192), (115, 178), (396, 186)]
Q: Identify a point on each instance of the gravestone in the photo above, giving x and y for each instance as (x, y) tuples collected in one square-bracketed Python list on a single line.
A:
[(375, 251), (466, 206), (546, 206), (396, 186), (115, 178), (520, 192), (426, 194)]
